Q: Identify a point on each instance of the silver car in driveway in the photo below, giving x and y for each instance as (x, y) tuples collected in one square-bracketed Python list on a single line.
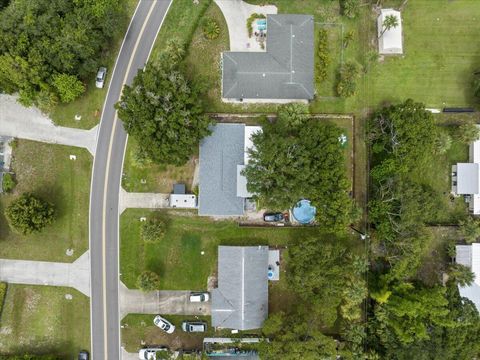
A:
[(100, 79)]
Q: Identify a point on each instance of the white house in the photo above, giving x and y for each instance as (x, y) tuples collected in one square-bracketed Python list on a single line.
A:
[(466, 178), (390, 42), (469, 256)]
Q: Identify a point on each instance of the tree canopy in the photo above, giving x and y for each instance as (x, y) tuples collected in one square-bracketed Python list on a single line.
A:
[(163, 112), (47, 48), (296, 157), (28, 214)]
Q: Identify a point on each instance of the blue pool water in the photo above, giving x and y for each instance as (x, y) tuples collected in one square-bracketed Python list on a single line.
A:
[(304, 212)]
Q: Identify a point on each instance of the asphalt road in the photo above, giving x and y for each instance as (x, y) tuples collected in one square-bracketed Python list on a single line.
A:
[(106, 179)]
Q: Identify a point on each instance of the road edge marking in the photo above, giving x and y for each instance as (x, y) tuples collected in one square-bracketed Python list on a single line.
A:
[(93, 170), (107, 171)]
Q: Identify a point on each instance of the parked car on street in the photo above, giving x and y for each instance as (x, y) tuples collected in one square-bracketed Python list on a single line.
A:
[(164, 324), (150, 353), (100, 79), (272, 217), (83, 355), (194, 326), (199, 297)]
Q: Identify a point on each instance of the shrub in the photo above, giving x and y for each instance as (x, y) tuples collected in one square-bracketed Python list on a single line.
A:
[(3, 293), (469, 229), (29, 214), (250, 21), (8, 182), (153, 230), (148, 281), (211, 29), (348, 38), (68, 87), (323, 54), (467, 132), (349, 8), (346, 86)]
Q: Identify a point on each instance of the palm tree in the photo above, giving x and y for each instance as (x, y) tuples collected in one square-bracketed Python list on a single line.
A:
[(390, 22)]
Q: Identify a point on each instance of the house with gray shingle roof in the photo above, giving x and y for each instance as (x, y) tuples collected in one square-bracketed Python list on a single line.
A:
[(283, 73), (223, 155), (241, 299)]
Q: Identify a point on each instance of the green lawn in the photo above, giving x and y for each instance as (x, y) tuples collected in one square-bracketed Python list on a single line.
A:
[(90, 104), (40, 320), (45, 170), (178, 259), (441, 52), (156, 178)]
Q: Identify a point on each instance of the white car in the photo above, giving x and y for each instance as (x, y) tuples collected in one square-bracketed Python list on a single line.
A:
[(199, 297), (164, 324), (100, 79), (150, 353)]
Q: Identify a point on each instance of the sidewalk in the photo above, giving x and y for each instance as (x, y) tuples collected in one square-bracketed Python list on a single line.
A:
[(29, 123)]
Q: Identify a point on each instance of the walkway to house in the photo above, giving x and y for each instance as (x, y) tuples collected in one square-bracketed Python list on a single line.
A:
[(167, 302), (236, 13), (142, 200), (76, 274), (21, 122)]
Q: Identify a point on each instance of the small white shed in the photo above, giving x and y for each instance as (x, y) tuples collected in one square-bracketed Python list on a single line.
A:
[(390, 42)]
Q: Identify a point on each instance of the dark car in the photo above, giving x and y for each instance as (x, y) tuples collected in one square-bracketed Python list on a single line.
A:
[(83, 355), (272, 217)]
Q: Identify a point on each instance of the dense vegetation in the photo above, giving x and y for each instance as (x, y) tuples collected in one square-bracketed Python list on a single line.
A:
[(162, 110), (408, 315), (297, 157), (48, 49), (328, 280)]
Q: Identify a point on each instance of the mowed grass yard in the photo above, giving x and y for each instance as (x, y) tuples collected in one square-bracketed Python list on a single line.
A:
[(441, 52), (150, 177), (177, 258), (40, 320), (46, 171), (90, 104)]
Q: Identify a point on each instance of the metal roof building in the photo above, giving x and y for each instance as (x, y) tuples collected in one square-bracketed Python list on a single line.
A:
[(241, 299), (390, 42), (469, 256), (284, 71)]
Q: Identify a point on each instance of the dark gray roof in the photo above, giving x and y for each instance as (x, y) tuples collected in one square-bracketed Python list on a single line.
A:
[(284, 71), (241, 299), (179, 189), (220, 153)]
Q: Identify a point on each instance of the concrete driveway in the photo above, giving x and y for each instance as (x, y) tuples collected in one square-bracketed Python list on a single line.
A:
[(142, 200), (159, 302), (236, 13), (76, 274), (21, 122)]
